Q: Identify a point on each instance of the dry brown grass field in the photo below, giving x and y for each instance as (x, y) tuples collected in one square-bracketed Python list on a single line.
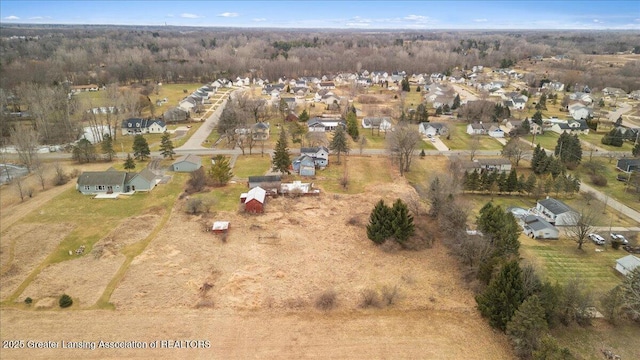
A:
[(253, 295)]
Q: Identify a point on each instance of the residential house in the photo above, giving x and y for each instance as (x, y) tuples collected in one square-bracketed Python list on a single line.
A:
[(635, 94), (319, 154), (628, 165), (571, 127), (260, 131), (432, 128), (579, 111), (270, 183), (134, 126), (554, 85), (115, 182), (538, 228), (477, 129), (330, 99), (627, 264), (557, 212), (304, 165), (83, 88), (495, 131), (482, 165), (189, 104), (380, 123), (512, 126), (297, 187), (613, 91), (317, 124), (254, 200), (535, 129), (329, 85), (187, 163), (175, 115), (582, 97)]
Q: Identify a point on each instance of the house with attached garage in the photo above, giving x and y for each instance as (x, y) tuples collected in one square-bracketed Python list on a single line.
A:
[(112, 182), (432, 129), (485, 129), (319, 154), (187, 163), (380, 123), (135, 126), (317, 124), (557, 212), (260, 131)]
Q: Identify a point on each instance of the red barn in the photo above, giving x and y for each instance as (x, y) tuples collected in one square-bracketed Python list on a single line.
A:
[(254, 202)]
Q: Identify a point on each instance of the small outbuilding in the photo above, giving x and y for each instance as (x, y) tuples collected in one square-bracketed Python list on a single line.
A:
[(187, 163), (268, 182), (627, 264), (254, 200), (220, 227)]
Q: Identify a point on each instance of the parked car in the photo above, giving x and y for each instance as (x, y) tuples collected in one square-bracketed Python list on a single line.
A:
[(619, 238), (599, 240)]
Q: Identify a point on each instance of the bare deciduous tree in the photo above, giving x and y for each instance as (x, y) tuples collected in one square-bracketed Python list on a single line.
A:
[(402, 143), (515, 150), (26, 144), (582, 228)]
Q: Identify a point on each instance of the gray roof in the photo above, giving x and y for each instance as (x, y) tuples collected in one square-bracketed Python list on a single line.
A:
[(555, 206), (102, 178), (147, 174), (375, 121), (313, 150), (267, 178), (625, 164), (629, 262), (190, 158), (537, 223)]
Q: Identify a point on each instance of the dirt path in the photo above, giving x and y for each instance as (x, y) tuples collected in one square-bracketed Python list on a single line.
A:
[(11, 214)]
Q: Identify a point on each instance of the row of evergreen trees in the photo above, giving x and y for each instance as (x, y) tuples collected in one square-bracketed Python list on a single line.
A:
[(492, 181)]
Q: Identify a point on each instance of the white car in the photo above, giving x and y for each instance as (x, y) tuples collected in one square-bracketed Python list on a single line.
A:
[(619, 238), (599, 240)]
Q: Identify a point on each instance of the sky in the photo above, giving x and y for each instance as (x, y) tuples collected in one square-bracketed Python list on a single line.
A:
[(452, 14)]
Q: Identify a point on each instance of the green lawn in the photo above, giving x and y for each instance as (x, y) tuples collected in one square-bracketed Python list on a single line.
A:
[(226, 198), (614, 188), (460, 140), (596, 137), (251, 165), (548, 140)]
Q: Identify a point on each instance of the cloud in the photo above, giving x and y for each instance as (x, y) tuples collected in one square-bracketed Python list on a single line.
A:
[(190, 16), (596, 21), (417, 18), (259, 19), (480, 20), (170, 15), (358, 22), (229, 14), (12, 17)]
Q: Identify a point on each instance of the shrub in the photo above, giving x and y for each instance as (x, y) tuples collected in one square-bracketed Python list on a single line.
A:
[(65, 301), (326, 301), (28, 301), (369, 299), (389, 295), (598, 180)]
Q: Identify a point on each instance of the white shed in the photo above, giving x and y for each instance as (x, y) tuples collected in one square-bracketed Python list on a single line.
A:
[(626, 264)]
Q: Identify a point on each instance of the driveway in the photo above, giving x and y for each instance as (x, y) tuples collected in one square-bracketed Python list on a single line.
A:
[(440, 146)]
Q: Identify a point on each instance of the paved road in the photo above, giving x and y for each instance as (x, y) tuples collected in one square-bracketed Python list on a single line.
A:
[(622, 109), (612, 203)]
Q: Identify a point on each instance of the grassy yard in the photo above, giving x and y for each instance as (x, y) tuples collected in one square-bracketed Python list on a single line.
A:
[(614, 188), (460, 140), (226, 198), (422, 169), (174, 93), (596, 137), (548, 140), (361, 172), (251, 165)]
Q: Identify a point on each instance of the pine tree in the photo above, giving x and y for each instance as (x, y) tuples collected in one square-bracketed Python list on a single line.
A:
[(405, 84), (379, 228), (568, 149), (129, 163), (281, 159), (636, 150), (456, 102), (220, 171), (304, 116), (140, 148), (503, 296), (473, 181), (339, 144), (527, 326), (107, 147), (538, 160), (422, 115), (402, 222), (502, 228), (166, 146), (352, 125), (512, 181), (530, 184)]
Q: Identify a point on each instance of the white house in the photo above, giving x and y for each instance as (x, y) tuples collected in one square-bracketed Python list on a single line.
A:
[(626, 264), (557, 212), (383, 123), (432, 129), (317, 124), (134, 126), (579, 111)]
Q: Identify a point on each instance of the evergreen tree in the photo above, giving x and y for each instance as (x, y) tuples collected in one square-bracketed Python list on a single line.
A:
[(538, 158), (339, 144), (502, 228), (220, 171), (537, 118), (352, 125), (636, 150), (456, 102), (525, 127), (613, 138), (530, 184), (405, 84), (166, 146), (527, 326), (503, 296), (542, 104), (304, 116), (379, 228), (140, 148), (502, 182), (281, 159), (84, 151), (473, 181), (402, 222), (568, 149), (129, 163), (512, 181), (107, 147), (422, 115)]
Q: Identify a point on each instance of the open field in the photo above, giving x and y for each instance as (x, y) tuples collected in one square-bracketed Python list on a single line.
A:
[(251, 165), (247, 294), (616, 189), (460, 140)]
